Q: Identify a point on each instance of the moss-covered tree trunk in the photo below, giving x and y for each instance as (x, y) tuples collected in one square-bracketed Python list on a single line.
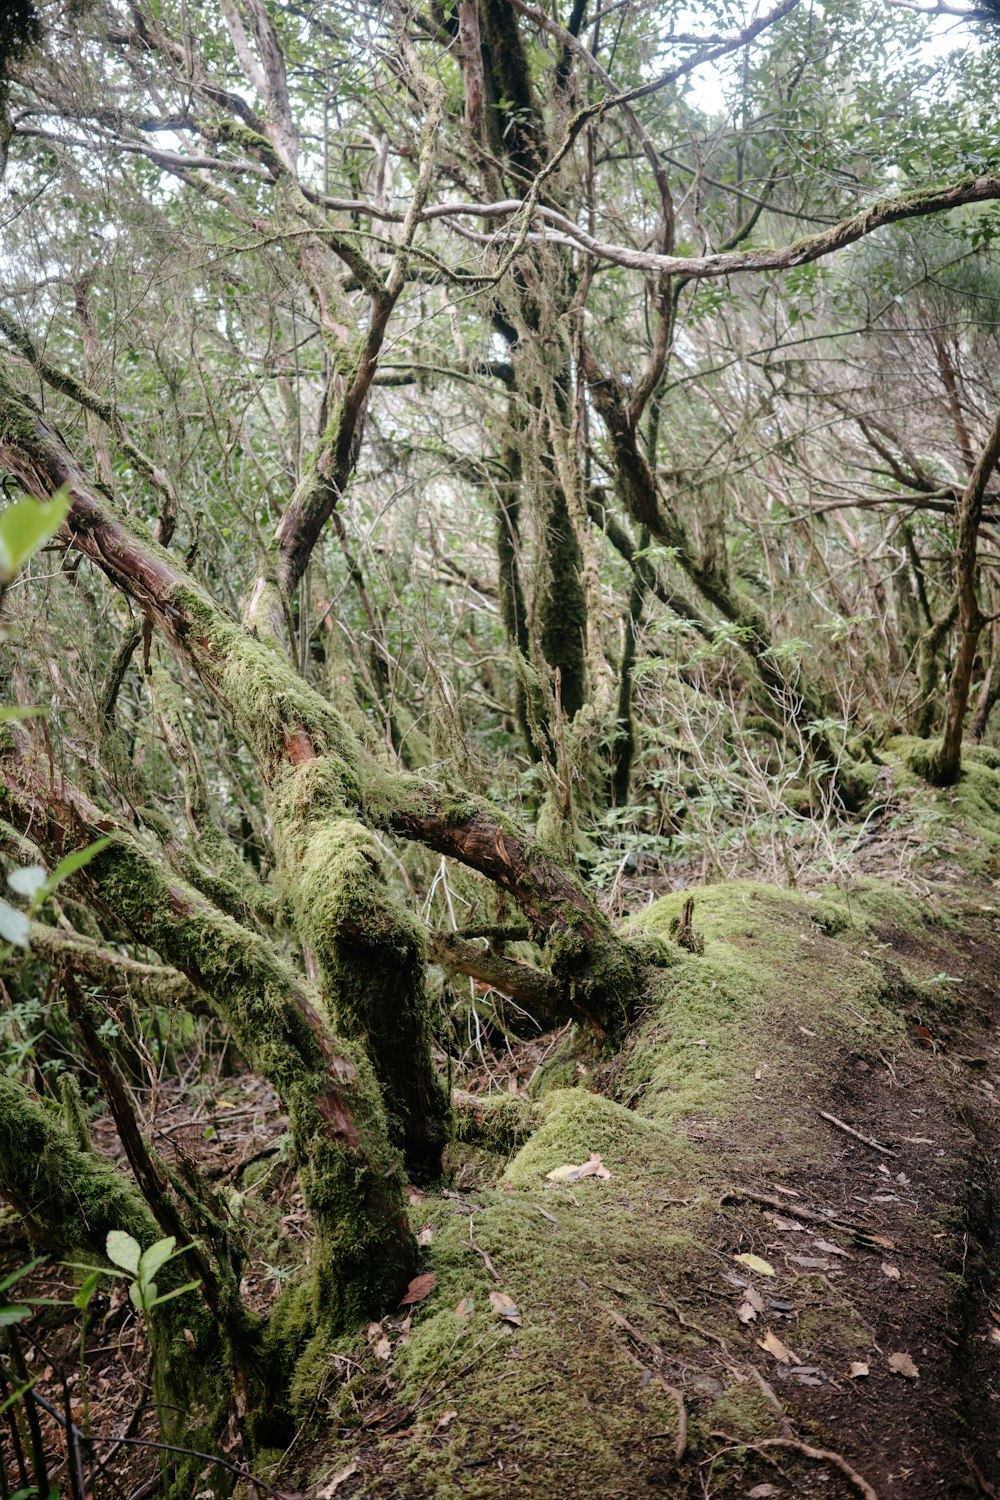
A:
[(287, 725), (943, 764), (349, 1170), (69, 1200)]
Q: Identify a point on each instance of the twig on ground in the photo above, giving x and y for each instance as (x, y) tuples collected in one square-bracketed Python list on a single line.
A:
[(865, 1140), (822, 1455)]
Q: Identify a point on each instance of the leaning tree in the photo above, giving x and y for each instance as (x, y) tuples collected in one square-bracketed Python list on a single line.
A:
[(400, 368)]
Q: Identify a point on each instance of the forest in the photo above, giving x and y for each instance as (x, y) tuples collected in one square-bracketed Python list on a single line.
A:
[(499, 749)]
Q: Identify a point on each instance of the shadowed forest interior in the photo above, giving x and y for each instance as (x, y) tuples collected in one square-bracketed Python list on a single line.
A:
[(499, 749)]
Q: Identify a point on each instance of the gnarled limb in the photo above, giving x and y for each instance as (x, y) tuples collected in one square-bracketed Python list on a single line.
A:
[(287, 724), (349, 1172), (540, 993)]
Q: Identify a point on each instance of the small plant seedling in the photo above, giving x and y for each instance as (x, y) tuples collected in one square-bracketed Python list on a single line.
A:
[(140, 1267)]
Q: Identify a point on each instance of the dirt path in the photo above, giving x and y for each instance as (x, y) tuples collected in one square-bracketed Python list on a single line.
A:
[(631, 1372)]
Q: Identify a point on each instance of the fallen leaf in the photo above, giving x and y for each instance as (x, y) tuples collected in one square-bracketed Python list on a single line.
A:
[(780, 1222), (414, 1194), (891, 1271), (858, 1368), (333, 1484), (545, 1214), (754, 1298), (419, 1288), (506, 1308), (806, 1032), (774, 1346), (763, 1492), (594, 1167), (902, 1177), (806, 1375), (446, 1417), (465, 1308), (995, 1335), (746, 1313), (830, 1248), (882, 1240), (811, 1262), (754, 1263), (380, 1345), (426, 1235), (902, 1364)]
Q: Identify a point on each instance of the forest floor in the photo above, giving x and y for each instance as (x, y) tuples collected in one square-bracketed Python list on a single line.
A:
[(818, 1090)]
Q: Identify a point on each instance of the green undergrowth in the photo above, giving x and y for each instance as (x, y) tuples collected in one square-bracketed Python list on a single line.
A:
[(960, 823), (568, 1385)]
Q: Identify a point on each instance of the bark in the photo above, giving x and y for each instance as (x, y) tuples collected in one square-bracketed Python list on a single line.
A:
[(513, 611), (989, 695), (540, 993), (363, 1255), (69, 1200), (942, 765), (287, 725), (929, 666), (795, 697), (623, 740), (562, 603), (601, 973)]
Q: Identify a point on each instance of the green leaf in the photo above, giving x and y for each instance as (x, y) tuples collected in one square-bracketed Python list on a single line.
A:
[(87, 1289), (21, 1271), (141, 1297), (9, 1315), (124, 1250), (27, 525), (156, 1256), (16, 1396), (14, 925), (73, 862), (27, 881), (178, 1291)]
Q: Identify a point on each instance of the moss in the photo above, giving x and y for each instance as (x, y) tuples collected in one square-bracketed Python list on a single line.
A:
[(961, 821), (767, 972), (370, 951), (866, 905), (75, 1115), (832, 1325), (350, 1173), (270, 704), (742, 1411), (69, 1200), (578, 1124), (499, 1123)]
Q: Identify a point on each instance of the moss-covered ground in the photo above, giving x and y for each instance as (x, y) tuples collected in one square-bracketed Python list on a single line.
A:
[(614, 1359)]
